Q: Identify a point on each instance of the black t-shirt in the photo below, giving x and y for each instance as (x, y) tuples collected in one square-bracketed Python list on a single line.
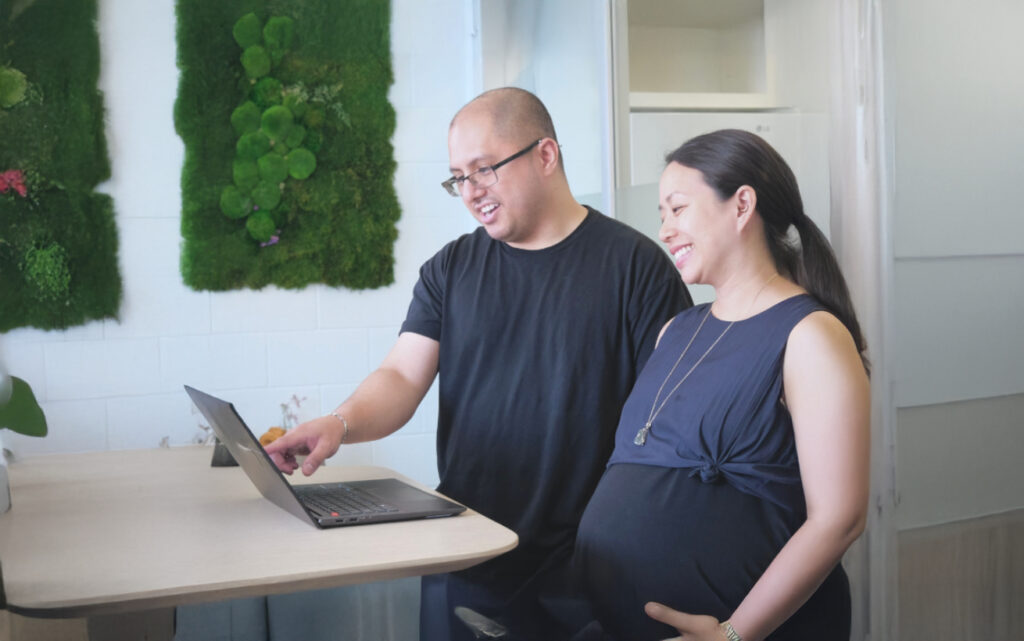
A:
[(538, 352)]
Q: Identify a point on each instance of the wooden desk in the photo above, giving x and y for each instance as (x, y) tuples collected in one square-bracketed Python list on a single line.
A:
[(118, 532)]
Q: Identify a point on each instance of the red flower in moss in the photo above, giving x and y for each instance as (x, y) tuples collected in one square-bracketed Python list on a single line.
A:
[(13, 179)]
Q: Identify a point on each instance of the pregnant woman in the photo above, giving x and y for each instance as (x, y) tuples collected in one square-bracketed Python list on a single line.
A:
[(740, 470)]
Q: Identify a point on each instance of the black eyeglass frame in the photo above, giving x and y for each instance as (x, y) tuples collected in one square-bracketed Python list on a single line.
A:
[(453, 190)]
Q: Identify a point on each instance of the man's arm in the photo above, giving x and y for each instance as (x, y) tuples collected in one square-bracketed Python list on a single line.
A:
[(383, 402)]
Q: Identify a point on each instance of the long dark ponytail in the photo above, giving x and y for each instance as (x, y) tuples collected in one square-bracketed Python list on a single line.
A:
[(731, 158)]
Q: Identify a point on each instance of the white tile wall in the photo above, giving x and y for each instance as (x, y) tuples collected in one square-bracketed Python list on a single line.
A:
[(379, 341), (423, 196), (25, 360), (413, 454), (425, 420), (152, 242), (73, 426), (99, 369), (208, 362), (366, 308), (304, 358), (117, 383), (400, 94), (419, 137), (269, 309), (158, 305), (140, 422), (261, 407), (139, 79)]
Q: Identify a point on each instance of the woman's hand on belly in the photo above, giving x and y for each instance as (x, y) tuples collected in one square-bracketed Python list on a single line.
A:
[(695, 627)]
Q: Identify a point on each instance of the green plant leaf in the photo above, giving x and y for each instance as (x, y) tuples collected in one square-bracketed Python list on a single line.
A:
[(301, 163), (47, 272), (295, 136), (276, 122), (314, 117), (21, 412), (267, 92), (314, 139), (273, 167), (279, 32), (246, 117), (233, 203), (256, 61), (247, 31), (252, 145), (295, 104), (261, 226), (266, 195), (13, 86), (245, 173)]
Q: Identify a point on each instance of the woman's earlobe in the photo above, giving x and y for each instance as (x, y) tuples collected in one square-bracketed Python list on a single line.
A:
[(746, 200)]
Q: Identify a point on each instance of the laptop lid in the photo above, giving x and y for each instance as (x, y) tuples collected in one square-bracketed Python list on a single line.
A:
[(411, 503)]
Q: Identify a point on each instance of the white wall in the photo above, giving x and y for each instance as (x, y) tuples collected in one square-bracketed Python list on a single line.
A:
[(117, 384), (559, 51), (955, 99)]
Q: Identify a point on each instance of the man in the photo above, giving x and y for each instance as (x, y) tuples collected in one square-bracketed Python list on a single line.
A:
[(538, 322)]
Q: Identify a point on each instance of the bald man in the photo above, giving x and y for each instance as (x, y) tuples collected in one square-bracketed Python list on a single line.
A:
[(538, 322)]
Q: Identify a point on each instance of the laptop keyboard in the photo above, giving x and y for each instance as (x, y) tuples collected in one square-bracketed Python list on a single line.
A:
[(343, 501)]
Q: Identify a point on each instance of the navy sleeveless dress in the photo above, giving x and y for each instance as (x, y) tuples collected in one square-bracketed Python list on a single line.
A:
[(694, 516)]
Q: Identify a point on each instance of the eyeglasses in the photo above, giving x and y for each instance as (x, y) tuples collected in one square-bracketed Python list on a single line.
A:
[(485, 176)]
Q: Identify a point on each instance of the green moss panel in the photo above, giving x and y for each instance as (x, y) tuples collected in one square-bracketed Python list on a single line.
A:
[(58, 240), (289, 168)]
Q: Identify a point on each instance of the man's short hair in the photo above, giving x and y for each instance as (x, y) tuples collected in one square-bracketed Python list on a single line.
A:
[(516, 114)]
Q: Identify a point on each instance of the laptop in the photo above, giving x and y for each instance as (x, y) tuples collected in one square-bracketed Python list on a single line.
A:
[(324, 504)]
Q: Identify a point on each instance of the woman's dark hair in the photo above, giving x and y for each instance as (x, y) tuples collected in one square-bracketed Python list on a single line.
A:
[(731, 158)]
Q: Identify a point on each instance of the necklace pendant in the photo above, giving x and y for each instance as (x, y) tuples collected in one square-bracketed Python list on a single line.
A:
[(641, 435)]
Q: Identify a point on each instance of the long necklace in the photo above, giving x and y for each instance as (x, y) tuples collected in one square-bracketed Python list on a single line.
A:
[(641, 436)]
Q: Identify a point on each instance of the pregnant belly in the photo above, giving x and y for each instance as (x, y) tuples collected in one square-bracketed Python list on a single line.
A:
[(658, 534)]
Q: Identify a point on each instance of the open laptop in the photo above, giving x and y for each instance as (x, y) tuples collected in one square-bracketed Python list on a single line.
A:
[(325, 504)]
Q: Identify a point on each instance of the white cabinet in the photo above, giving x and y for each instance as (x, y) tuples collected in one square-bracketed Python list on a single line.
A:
[(697, 55), (701, 65)]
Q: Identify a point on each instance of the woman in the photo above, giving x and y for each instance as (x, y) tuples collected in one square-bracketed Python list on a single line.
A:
[(740, 470)]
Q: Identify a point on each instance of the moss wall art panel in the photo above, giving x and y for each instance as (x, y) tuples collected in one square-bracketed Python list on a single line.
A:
[(58, 240), (288, 176)]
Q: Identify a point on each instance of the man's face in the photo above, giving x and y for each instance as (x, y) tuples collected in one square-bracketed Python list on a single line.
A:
[(507, 209)]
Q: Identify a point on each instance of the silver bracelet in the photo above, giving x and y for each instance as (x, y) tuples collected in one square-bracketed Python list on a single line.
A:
[(341, 418), (729, 632)]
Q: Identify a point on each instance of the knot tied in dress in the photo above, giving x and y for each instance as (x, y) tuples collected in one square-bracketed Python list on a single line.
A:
[(709, 472)]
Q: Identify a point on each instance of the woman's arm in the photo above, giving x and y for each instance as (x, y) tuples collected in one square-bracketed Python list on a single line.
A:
[(827, 393)]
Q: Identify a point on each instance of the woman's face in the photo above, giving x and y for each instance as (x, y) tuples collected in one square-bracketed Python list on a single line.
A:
[(696, 225)]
